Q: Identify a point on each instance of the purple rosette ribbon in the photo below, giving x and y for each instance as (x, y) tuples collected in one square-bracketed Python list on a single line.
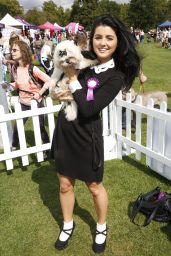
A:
[(92, 83)]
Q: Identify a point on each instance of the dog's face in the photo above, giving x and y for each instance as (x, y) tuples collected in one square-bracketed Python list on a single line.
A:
[(67, 54)]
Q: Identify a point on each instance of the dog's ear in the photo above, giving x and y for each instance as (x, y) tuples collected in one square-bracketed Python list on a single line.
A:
[(88, 55)]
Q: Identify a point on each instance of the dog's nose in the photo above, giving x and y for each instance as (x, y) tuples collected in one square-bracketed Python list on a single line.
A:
[(62, 53)]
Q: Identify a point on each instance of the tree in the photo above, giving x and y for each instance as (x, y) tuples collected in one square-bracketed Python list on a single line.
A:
[(50, 12), (55, 13), (84, 12), (161, 11), (124, 13), (110, 7), (35, 17), (66, 17), (146, 14), (12, 7), (169, 9)]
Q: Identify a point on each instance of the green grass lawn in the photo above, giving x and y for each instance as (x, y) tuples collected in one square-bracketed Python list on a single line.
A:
[(30, 214)]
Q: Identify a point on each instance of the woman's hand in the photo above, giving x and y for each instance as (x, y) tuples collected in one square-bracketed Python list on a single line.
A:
[(37, 96)]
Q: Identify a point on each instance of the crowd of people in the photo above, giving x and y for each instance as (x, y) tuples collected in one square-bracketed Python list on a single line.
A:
[(42, 45), (160, 35), (17, 54), (164, 37), (77, 146)]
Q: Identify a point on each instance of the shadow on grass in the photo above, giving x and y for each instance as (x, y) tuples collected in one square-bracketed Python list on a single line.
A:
[(86, 217), (167, 228), (142, 167), (48, 182), (18, 165)]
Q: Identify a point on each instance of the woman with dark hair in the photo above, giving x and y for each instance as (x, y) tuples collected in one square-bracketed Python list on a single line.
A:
[(28, 90), (78, 145)]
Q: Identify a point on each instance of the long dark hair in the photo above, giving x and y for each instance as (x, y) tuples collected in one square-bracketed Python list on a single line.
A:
[(125, 57)]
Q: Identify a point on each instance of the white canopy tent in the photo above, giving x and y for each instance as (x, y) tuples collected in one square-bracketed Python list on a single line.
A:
[(6, 32), (8, 20)]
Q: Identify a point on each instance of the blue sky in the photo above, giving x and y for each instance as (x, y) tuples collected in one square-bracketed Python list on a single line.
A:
[(29, 4)]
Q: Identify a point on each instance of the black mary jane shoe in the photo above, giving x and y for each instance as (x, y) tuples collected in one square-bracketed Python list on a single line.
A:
[(60, 245), (99, 248)]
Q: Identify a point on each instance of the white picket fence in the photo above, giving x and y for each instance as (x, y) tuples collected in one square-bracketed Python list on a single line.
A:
[(8, 155), (157, 147)]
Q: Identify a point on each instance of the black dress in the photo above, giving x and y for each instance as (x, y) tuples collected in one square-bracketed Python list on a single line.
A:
[(77, 146)]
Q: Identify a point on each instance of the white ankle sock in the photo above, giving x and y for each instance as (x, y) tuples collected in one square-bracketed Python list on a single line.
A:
[(100, 239), (67, 225)]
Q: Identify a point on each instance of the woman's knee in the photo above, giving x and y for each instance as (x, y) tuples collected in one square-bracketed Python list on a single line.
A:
[(95, 188), (66, 185)]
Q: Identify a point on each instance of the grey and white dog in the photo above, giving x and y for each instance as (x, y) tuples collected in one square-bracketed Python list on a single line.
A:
[(67, 54)]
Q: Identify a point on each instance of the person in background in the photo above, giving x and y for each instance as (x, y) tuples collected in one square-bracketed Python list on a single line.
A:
[(46, 57), (3, 44), (31, 42), (21, 54), (13, 37), (54, 41), (80, 40), (7, 61), (77, 146), (1, 41), (62, 36), (142, 36), (37, 44)]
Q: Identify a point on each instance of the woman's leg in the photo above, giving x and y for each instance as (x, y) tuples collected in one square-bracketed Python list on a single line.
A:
[(101, 205), (67, 197), (100, 200), (44, 134), (15, 138)]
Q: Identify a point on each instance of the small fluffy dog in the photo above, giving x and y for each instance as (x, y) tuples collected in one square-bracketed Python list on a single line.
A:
[(67, 54)]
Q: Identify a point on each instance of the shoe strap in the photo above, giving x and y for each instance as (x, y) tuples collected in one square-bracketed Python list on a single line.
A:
[(104, 232), (66, 231)]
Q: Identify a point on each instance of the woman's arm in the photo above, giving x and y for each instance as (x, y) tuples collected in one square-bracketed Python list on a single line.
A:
[(42, 76), (102, 97)]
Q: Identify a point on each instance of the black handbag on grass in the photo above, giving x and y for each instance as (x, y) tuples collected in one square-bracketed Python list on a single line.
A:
[(156, 205)]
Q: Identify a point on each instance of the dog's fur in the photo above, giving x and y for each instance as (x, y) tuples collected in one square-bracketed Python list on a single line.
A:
[(67, 54), (157, 96)]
